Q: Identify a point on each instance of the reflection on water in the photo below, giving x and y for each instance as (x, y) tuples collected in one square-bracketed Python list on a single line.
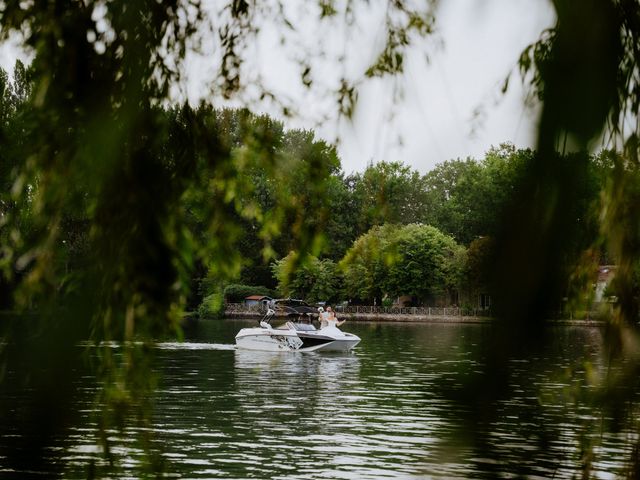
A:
[(390, 409), (194, 346)]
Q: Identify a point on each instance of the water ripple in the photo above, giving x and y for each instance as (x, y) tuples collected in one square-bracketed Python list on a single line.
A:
[(391, 409)]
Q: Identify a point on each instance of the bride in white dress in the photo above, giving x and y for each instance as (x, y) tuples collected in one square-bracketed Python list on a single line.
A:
[(331, 319)]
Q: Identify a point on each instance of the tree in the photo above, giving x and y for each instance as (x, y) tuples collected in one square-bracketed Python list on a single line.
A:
[(477, 267), (279, 198), (341, 226), (390, 260), (389, 192), (465, 197), (313, 280), (457, 192), (428, 264), (365, 264)]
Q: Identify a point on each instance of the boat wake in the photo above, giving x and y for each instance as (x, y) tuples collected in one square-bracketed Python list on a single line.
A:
[(168, 345), (194, 346)]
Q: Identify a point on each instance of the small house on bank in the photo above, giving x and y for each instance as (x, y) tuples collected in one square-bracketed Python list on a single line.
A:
[(257, 300)]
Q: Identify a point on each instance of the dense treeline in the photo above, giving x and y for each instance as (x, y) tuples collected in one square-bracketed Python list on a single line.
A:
[(463, 201), (291, 191)]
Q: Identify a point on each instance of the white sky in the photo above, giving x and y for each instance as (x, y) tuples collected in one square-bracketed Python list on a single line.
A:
[(422, 118), (436, 120), (449, 107)]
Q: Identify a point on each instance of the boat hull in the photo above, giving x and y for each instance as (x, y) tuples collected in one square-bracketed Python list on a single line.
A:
[(273, 340), (312, 342), (268, 340)]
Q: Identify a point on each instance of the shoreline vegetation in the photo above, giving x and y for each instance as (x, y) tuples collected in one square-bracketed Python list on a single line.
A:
[(438, 315)]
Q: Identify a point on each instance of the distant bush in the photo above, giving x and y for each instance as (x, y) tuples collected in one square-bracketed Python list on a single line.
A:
[(236, 293), (211, 306)]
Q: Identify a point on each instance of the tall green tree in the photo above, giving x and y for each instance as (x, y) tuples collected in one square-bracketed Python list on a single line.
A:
[(313, 279), (457, 193), (281, 197), (428, 264), (366, 263), (391, 260), (389, 192), (467, 196)]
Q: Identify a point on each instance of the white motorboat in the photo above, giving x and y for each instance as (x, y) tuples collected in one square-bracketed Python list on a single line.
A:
[(299, 335)]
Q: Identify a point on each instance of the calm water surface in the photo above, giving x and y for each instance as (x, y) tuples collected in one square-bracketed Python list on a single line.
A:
[(393, 408)]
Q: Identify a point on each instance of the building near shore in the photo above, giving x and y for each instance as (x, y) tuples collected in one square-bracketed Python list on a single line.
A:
[(257, 300)]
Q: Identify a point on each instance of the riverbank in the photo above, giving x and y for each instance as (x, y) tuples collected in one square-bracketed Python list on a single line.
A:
[(418, 318)]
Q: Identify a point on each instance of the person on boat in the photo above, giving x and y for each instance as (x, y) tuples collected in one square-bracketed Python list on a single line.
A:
[(322, 317), (331, 318)]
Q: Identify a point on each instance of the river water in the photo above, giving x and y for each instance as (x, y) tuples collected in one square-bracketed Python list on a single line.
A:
[(393, 408)]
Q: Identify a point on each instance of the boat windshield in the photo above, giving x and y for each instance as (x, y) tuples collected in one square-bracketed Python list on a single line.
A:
[(303, 327)]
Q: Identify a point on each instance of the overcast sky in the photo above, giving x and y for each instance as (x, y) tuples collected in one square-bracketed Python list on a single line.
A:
[(449, 107), (453, 106)]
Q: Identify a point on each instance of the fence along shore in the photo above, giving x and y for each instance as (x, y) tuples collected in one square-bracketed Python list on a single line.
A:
[(371, 313)]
